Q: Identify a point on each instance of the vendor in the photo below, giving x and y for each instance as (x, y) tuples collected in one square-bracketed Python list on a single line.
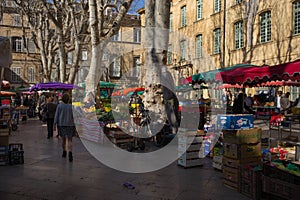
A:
[(135, 100)]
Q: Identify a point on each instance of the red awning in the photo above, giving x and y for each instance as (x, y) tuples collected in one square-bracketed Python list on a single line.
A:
[(243, 75), (286, 71), (273, 83), (227, 86)]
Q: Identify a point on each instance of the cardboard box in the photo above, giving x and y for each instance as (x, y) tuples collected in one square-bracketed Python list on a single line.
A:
[(247, 136), (233, 163), (230, 174), (235, 122), (241, 151)]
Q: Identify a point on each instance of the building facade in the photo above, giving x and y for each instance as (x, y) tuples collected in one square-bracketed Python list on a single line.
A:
[(207, 35), (25, 68)]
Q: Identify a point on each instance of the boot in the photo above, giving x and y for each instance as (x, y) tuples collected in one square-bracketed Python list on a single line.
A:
[(70, 157), (64, 154)]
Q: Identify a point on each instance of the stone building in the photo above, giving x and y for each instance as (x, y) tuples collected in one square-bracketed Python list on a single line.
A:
[(25, 68), (207, 35)]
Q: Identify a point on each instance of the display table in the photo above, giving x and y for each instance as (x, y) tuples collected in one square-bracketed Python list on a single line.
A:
[(264, 112)]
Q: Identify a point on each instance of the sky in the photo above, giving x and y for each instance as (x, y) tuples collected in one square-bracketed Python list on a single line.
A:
[(137, 4)]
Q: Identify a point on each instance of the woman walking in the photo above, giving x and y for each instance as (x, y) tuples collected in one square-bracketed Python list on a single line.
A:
[(65, 125)]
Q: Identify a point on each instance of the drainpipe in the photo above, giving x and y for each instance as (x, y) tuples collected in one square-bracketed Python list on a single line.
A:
[(224, 36)]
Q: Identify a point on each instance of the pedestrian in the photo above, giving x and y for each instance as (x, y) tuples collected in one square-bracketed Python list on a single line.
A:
[(285, 103), (249, 100), (297, 102), (64, 122), (50, 109), (238, 104), (277, 101)]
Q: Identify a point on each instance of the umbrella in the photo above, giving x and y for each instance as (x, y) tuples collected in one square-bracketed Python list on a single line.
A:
[(183, 88), (131, 93), (103, 84), (136, 89), (53, 85)]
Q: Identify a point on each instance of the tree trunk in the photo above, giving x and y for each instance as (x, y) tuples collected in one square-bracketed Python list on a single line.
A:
[(94, 72), (62, 56), (157, 24)]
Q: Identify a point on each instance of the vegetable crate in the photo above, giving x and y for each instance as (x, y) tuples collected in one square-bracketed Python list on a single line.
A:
[(278, 189), (281, 174), (250, 181)]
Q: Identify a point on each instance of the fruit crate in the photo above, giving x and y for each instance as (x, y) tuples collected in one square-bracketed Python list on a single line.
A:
[(16, 157), (274, 172), (250, 181), (275, 188)]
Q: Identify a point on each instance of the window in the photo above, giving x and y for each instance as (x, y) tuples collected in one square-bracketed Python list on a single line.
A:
[(238, 1), (116, 37), (199, 9), (84, 54), (31, 77), (265, 27), (137, 35), (171, 22), (169, 55), (17, 44), (136, 70), (16, 73), (296, 17), (198, 46), (217, 6), (217, 40), (183, 16), (238, 35), (115, 67), (17, 20), (182, 49)]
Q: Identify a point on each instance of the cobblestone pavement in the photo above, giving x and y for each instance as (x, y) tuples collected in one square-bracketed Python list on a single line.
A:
[(46, 175)]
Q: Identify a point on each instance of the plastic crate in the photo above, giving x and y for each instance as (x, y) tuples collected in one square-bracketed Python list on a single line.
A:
[(274, 172), (281, 189), (16, 157), (3, 160), (250, 181), (3, 150), (15, 147)]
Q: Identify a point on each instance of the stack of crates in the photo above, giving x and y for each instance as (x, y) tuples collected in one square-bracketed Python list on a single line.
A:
[(3, 155), (16, 154), (242, 145), (189, 147)]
